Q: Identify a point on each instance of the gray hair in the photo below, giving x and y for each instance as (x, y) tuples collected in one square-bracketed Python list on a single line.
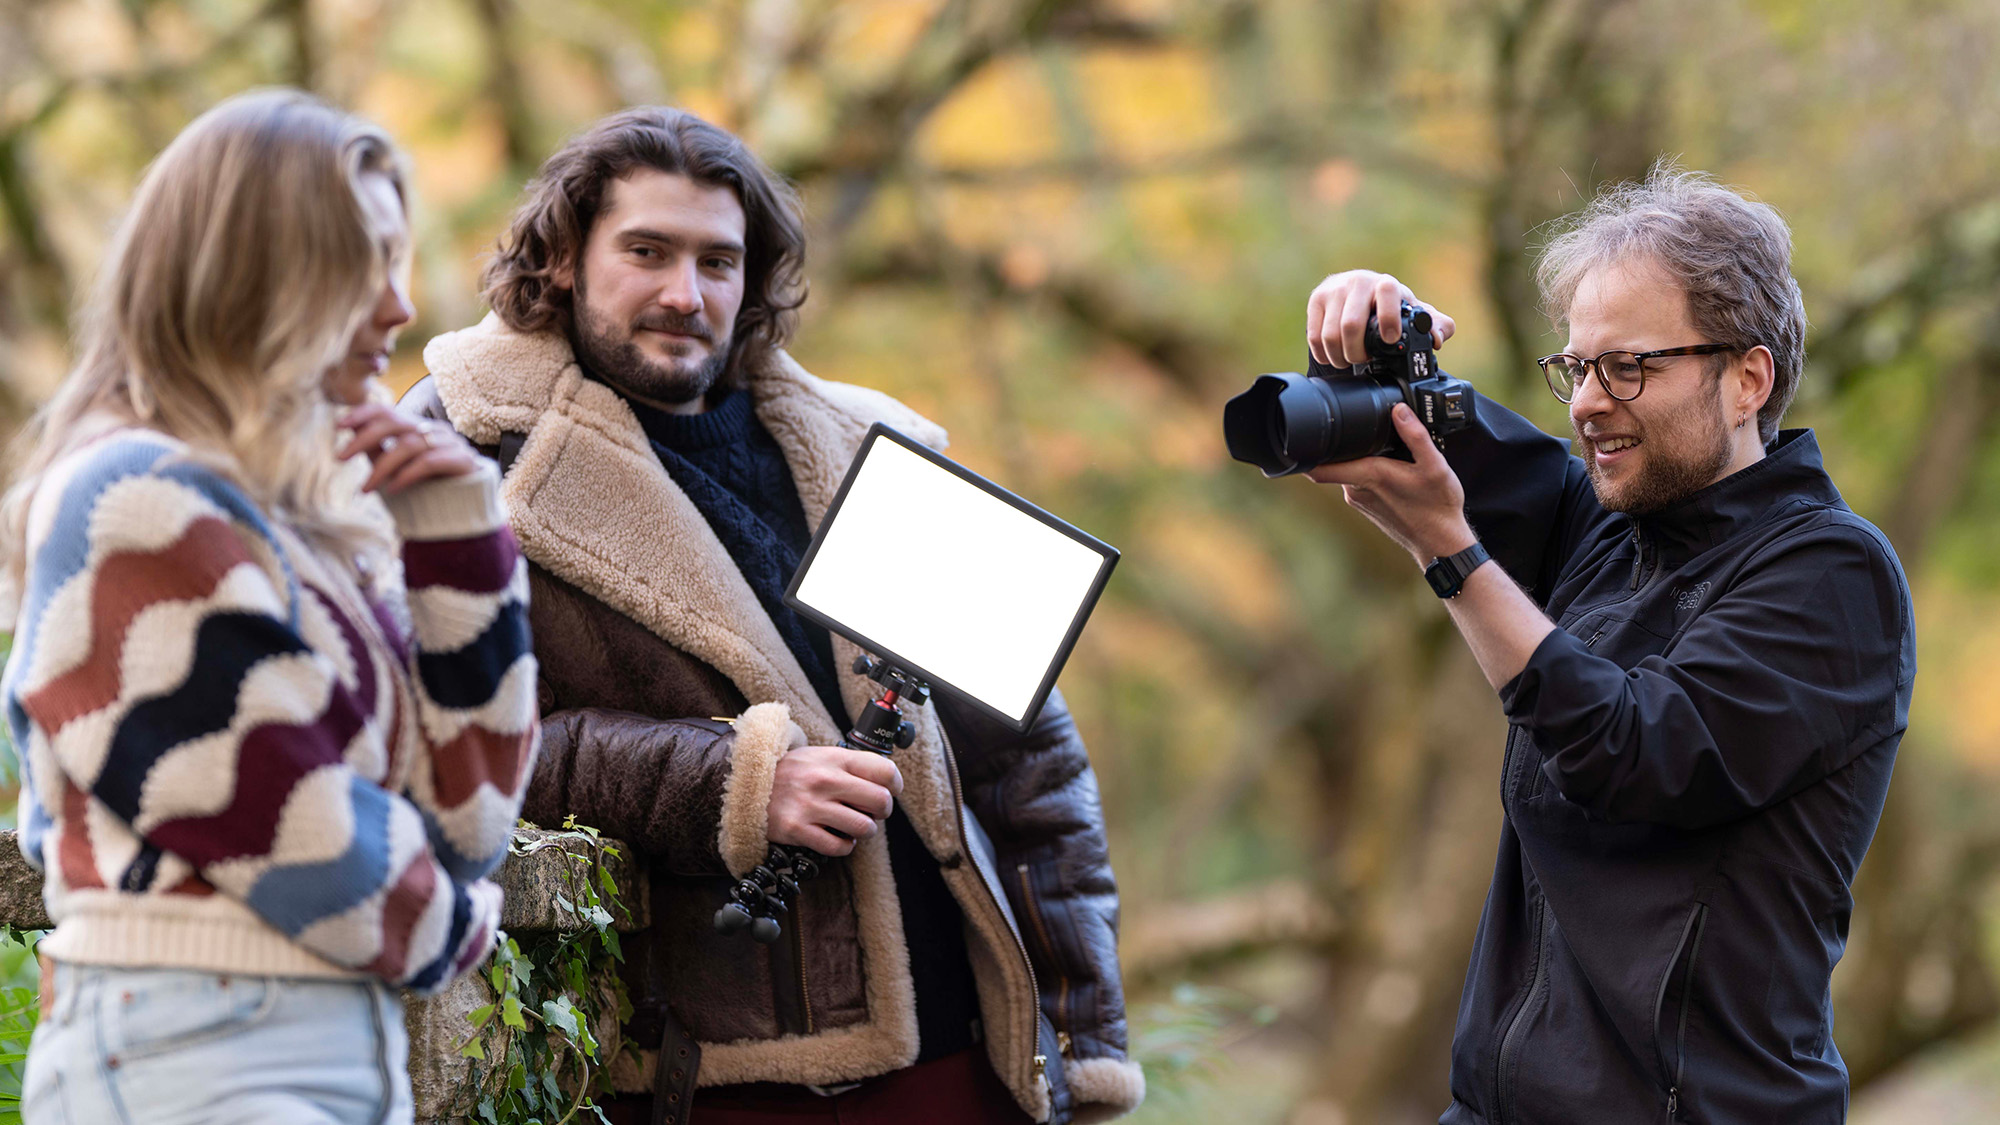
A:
[(1732, 255)]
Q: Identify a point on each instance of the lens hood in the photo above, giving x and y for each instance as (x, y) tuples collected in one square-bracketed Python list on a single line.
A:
[(1279, 415)]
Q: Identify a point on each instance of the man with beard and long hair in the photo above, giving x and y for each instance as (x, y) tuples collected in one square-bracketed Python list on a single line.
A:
[(1705, 659), (666, 463)]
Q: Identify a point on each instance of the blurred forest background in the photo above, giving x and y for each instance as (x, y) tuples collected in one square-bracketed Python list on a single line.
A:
[(1068, 230)]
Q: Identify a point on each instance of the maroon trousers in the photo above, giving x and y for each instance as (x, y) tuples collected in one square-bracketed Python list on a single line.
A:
[(960, 1088)]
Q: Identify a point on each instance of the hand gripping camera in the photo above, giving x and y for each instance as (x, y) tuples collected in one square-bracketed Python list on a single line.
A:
[(1290, 423)]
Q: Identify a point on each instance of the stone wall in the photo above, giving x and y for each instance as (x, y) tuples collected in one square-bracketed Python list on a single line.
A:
[(532, 877)]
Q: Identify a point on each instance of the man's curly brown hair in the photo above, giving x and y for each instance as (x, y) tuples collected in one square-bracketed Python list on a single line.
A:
[(548, 233)]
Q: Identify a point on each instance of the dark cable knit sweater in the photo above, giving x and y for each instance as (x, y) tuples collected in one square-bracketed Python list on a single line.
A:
[(736, 475)]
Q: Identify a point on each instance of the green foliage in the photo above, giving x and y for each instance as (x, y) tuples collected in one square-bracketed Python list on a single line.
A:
[(20, 1009), (1182, 1041), (542, 1062)]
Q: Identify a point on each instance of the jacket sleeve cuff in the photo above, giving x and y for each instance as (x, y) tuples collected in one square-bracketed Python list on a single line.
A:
[(763, 735), (462, 507), (1102, 1089), (1536, 690)]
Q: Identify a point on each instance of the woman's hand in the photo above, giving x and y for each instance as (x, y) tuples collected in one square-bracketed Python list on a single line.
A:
[(404, 450)]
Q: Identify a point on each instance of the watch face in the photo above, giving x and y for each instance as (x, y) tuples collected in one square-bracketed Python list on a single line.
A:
[(1448, 575), (1444, 582)]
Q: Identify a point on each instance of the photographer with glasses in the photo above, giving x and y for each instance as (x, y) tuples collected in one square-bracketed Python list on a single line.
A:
[(1705, 659)]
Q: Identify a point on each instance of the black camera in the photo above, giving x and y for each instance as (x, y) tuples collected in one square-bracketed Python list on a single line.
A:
[(1290, 423)]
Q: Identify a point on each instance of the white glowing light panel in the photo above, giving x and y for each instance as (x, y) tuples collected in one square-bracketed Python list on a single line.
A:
[(933, 567)]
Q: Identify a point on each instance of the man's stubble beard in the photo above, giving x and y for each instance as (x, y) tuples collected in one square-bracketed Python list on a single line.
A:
[(616, 357), (1668, 476)]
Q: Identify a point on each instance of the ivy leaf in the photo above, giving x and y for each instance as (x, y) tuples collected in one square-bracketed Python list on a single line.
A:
[(517, 1078), (478, 1016), (473, 1049), (605, 880), (559, 1013), (566, 905), (510, 1012), (601, 918)]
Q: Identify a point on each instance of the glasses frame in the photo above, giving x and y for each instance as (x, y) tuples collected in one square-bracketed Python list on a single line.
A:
[(1593, 364)]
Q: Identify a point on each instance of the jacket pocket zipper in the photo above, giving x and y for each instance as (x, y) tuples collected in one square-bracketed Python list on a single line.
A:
[(1049, 948), (1691, 943), (1040, 1061), (1510, 1039), (799, 959)]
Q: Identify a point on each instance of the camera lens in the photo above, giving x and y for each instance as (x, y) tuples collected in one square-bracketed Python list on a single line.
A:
[(1289, 423)]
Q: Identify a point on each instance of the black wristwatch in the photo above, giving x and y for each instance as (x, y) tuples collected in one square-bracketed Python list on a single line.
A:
[(1447, 575)]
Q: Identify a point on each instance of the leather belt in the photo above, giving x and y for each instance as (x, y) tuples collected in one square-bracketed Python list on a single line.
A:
[(674, 1072)]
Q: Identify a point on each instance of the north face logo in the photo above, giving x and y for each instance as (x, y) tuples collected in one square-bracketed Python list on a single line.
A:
[(1689, 598)]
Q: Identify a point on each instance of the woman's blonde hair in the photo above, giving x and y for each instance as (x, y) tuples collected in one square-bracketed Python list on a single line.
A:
[(237, 279)]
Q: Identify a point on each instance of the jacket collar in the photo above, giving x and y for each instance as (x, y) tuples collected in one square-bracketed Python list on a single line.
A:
[(590, 502), (1790, 472)]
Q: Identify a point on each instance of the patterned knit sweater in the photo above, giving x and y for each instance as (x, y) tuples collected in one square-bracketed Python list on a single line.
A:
[(236, 760)]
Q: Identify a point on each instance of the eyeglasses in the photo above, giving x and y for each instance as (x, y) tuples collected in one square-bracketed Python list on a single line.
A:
[(1621, 374)]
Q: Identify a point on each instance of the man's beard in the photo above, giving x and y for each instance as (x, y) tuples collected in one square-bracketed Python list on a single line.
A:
[(615, 356), (1686, 452)]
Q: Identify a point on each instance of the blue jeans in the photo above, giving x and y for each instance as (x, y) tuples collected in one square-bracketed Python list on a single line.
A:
[(169, 1046)]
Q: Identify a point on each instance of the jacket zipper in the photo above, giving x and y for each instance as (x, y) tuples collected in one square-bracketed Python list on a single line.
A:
[(1048, 946), (1040, 1060), (799, 959), (1510, 1040), (1697, 923), (1642, 556)]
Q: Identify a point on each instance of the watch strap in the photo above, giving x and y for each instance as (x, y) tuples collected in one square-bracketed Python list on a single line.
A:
[(1447, 575)]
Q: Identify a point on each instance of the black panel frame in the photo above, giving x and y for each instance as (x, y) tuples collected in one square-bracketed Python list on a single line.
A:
[(1107, 553)]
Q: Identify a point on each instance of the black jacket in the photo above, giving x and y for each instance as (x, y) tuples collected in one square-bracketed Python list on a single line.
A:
[(1696, 762)]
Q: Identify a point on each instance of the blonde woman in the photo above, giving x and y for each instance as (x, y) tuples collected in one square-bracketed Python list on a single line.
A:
[(271, 681)]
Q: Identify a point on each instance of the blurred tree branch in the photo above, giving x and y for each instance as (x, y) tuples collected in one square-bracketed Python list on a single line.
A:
[(1174, 938), (297, 16), (506, 85), (872, 129), (1280, 144), (1547, 66), (1093, 304), (1918, 896)]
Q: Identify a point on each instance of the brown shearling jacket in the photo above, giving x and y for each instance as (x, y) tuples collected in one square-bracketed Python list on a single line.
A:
[(667, 698)]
